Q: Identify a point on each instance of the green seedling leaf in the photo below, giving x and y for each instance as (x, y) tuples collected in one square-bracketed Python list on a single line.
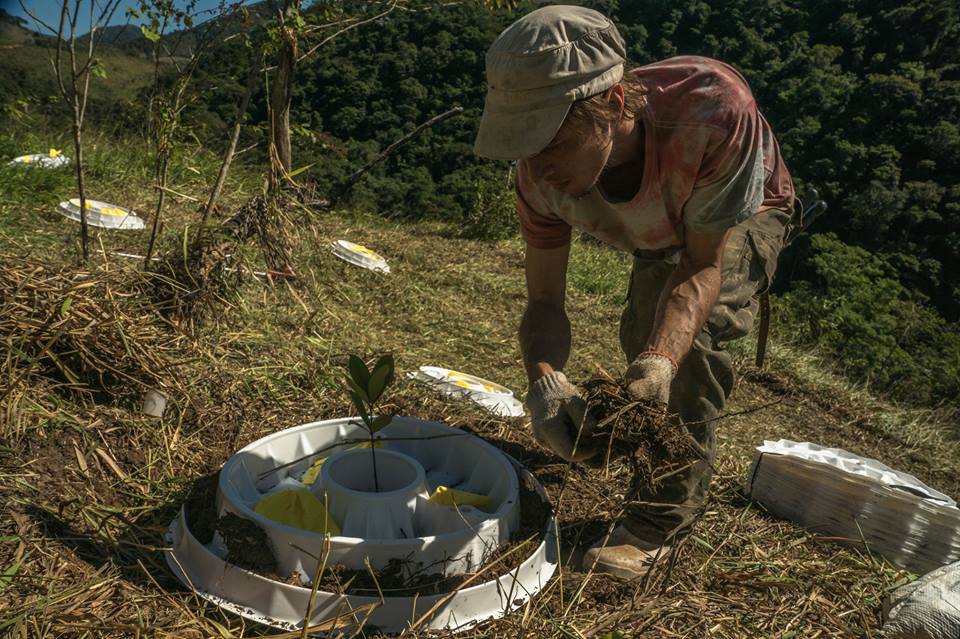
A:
[(358, 390), (65, 307), (149, 33), (358, 372), (381, 422), (382, 376), (358, 402)]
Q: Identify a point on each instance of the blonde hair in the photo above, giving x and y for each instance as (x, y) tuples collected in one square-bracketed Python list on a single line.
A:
[(596, 113)]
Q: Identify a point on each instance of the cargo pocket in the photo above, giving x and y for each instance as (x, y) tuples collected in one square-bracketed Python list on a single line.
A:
[(766, 241)]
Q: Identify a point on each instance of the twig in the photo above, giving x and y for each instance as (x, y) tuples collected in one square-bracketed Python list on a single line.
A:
[(344, 188)]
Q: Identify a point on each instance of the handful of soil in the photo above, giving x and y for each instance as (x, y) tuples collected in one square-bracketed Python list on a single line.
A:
[(645, 432)]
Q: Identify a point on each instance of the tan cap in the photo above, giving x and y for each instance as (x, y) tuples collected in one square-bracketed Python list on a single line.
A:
[(536, 69)]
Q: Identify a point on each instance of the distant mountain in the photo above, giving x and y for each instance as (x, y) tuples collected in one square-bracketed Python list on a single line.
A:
[(13, 30), (126, 37)]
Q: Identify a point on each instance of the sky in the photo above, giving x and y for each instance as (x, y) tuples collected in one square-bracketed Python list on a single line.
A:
[(49, 11)]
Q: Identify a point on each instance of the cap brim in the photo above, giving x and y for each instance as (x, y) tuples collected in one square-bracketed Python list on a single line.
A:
[(513, 136)]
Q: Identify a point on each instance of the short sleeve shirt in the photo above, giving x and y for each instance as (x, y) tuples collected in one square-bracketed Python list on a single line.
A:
[(710, 161)]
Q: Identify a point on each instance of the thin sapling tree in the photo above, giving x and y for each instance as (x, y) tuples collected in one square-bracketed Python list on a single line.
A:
[(366, 387), (74, 61)]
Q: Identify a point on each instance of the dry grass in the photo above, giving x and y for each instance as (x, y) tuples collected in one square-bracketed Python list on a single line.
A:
[(88, 485)]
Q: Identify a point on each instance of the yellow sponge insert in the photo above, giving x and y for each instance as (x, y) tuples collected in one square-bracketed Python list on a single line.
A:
[(453, 497), (298, 508)]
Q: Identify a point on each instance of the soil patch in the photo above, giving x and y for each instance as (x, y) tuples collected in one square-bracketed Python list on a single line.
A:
[(642, 431), (201, 508), (247, 544)]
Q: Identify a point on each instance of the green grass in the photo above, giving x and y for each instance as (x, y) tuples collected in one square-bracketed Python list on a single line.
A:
[(598, 269)]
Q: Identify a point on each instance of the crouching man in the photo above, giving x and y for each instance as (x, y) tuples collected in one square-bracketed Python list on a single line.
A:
[(671, 162)]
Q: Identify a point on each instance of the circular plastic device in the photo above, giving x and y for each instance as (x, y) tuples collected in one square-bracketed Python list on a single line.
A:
[(497, 399), (439, 508), (102, 214), (359, 255), (51, 160)]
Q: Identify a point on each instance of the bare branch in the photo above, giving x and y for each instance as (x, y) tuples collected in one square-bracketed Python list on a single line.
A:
[(37, 19), (393, 5)]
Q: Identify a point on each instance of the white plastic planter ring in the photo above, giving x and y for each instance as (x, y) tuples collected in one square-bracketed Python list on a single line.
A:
[(102, 214), (400, 522), (497, 399), (359, 255), (50, 160)]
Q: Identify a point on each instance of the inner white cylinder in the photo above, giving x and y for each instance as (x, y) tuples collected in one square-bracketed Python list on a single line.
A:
[(353, 470), (361, 510)]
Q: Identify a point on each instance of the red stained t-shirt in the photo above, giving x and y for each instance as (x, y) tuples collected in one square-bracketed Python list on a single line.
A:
[(710, 162)]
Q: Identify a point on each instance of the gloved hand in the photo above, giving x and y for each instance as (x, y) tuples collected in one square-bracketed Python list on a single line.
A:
[(557, 411), (649, 376)]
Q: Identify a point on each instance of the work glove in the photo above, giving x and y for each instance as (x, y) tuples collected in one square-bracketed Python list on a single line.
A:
[(557, 411), (648, 378)]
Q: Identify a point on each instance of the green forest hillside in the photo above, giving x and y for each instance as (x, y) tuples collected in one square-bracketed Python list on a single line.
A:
[(864, 97)]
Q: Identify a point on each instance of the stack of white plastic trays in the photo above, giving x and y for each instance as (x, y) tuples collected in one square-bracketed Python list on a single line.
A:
[(833, 492)]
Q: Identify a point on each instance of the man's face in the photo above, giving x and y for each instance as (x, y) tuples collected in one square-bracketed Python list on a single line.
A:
[(573, 161)]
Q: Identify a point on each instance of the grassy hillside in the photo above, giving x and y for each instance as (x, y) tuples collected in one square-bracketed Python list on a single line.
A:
[(89, 484), (27, 81)]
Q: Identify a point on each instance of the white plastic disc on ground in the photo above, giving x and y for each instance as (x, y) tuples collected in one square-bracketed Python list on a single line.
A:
[(102, 214), (427, 537), (51, 160), (498, 399), (359, 255)]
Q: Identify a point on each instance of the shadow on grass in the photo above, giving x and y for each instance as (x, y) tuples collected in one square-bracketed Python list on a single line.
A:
[(129, 546)]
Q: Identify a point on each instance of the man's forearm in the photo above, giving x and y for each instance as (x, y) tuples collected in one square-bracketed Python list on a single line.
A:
[(685, 303), (544, 339)]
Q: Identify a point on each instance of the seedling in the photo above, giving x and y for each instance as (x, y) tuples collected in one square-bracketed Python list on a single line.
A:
[(366, 387)]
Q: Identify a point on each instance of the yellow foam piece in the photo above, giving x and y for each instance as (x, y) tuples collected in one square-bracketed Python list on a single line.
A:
[(54, 152), (298, 508), (107, 210), (360, 248), (27, 160), (310, 477), (453, 497), (469, 381)]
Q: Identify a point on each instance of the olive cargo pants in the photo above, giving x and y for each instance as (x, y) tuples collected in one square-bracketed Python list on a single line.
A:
[(705, 377)]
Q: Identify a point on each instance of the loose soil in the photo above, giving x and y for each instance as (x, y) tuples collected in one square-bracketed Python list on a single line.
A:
[(643, 432), (201, 508), (247, 544)]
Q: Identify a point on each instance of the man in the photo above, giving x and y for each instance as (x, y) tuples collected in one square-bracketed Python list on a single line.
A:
[(671, 162)]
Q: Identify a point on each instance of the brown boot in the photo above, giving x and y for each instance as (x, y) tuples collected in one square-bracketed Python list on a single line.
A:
[(624, 555)]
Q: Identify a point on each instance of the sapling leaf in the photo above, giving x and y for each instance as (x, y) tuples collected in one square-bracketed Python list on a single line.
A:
[(381, 422), (358, 371), (149, 33), (378, 383), (358, 402), (358, 390)]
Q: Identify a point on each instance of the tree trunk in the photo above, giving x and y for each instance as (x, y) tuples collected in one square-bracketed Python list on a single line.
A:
[(162, 184), (78, 153), (281, 94), (232, 149)]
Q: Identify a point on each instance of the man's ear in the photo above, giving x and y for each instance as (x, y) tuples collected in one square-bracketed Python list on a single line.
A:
[(615, 95)]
